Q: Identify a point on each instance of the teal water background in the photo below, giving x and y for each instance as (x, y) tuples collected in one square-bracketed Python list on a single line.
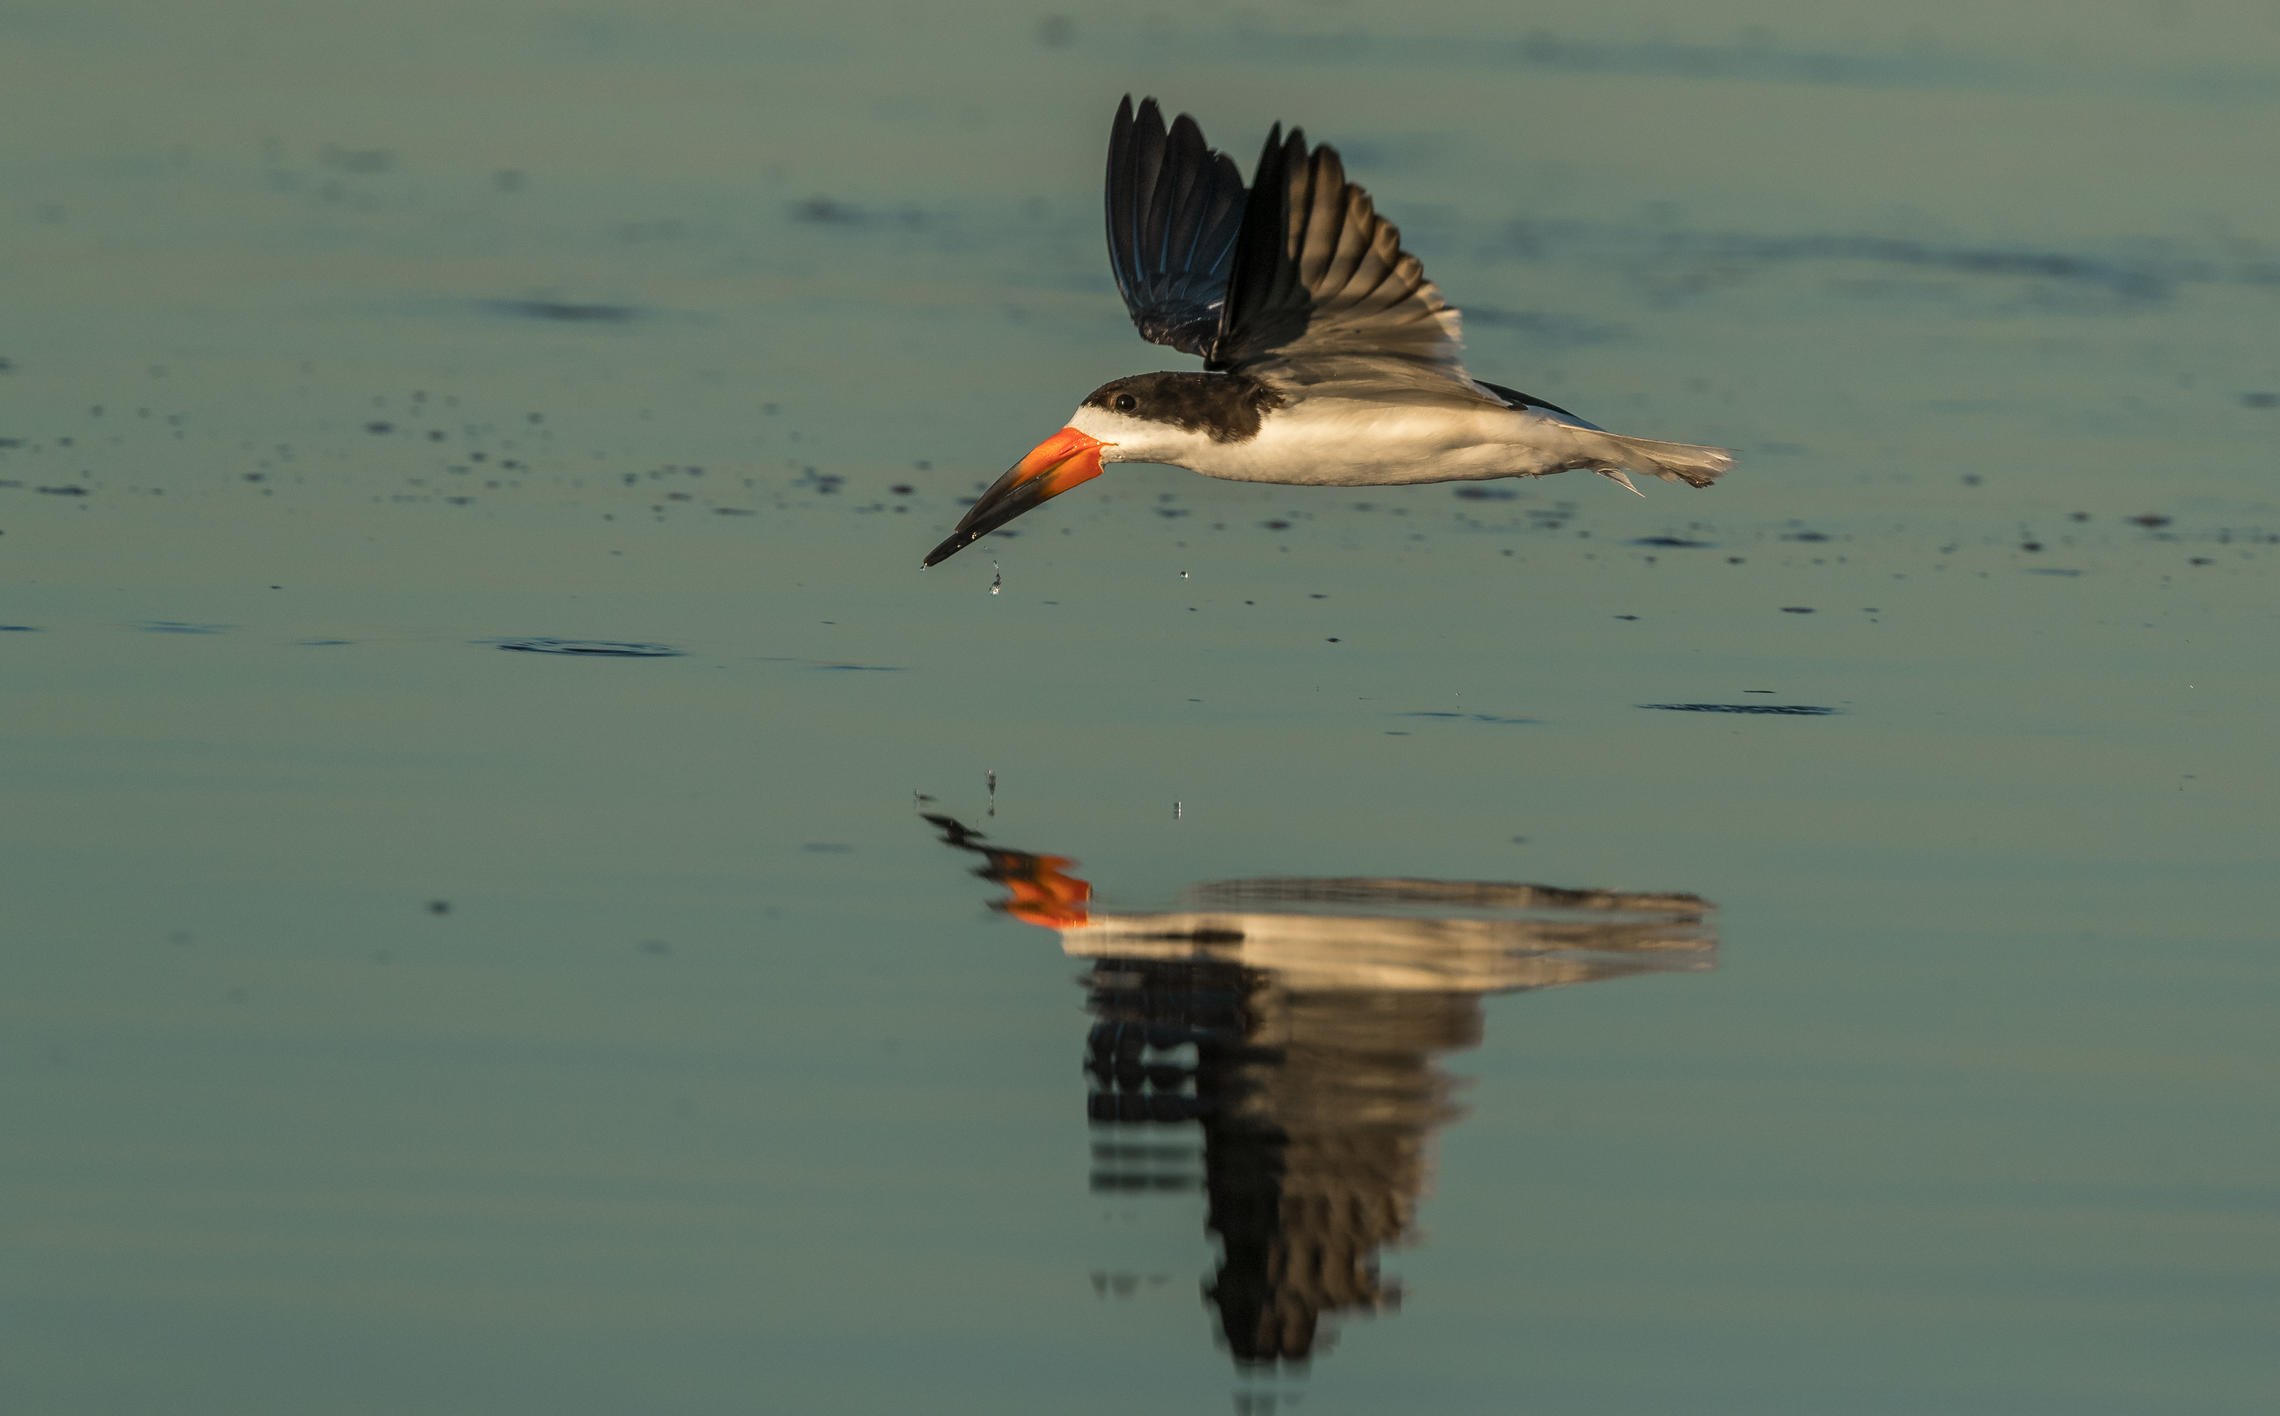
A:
[(396, 1022)]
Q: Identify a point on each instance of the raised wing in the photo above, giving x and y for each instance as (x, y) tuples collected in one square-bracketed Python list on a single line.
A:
[(1174, 210), (1321, 290)]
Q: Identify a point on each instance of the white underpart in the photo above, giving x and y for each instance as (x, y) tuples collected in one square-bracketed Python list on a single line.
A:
[(1344, 442)]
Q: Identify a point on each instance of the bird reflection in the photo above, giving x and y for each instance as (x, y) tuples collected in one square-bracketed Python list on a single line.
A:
[(1300, 1024)]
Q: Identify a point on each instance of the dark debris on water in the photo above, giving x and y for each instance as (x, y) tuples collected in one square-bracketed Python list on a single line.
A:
[(589, 648), (1763, 710), (563, 311), (1448, 716)]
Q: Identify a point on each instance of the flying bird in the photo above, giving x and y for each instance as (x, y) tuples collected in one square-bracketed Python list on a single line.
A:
[(1330, 360)]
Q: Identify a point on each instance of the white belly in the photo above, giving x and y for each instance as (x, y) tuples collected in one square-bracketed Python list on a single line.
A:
[(1333, 442)]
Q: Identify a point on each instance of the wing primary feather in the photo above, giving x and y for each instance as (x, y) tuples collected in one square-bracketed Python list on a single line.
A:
[(1258, 250), (1325, 194), (1195, 257), (1289, 291), (1175, 192), (1351, 248), (1230, 177), (1157, 214), (1200, 172), (1119, 202), (1148, 172)]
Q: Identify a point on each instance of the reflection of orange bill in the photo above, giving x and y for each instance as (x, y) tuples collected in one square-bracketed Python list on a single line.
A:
[(1064, 460), (1040, 891)]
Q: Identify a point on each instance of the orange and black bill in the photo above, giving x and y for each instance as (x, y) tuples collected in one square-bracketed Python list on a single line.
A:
[(1060, 462)]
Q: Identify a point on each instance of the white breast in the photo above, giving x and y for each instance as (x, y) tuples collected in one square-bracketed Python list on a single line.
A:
[(1347, 442)]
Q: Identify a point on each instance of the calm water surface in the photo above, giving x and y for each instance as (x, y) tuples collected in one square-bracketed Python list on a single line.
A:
[(522, 897)]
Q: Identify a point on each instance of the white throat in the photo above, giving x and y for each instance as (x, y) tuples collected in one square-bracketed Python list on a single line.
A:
[(1124, 438)]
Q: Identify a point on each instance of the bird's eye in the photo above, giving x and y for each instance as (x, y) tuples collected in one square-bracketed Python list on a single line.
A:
[(1125, 403)]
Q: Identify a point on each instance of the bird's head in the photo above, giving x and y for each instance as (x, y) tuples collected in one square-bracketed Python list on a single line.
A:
[(1169, 418)]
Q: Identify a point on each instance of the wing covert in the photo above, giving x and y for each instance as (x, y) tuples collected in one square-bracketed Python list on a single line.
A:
[(1174, 209)]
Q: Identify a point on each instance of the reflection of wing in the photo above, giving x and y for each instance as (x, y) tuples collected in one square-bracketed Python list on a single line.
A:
[(1322, 291), (1174, 207), (1317, 1113)]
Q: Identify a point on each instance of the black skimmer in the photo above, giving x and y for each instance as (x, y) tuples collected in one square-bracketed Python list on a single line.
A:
[(1331, 360)]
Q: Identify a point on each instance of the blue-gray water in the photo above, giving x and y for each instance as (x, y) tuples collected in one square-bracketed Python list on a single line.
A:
[(402, 1017)]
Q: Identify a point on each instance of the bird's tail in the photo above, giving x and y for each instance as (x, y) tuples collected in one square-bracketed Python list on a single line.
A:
[(1671, 461)]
